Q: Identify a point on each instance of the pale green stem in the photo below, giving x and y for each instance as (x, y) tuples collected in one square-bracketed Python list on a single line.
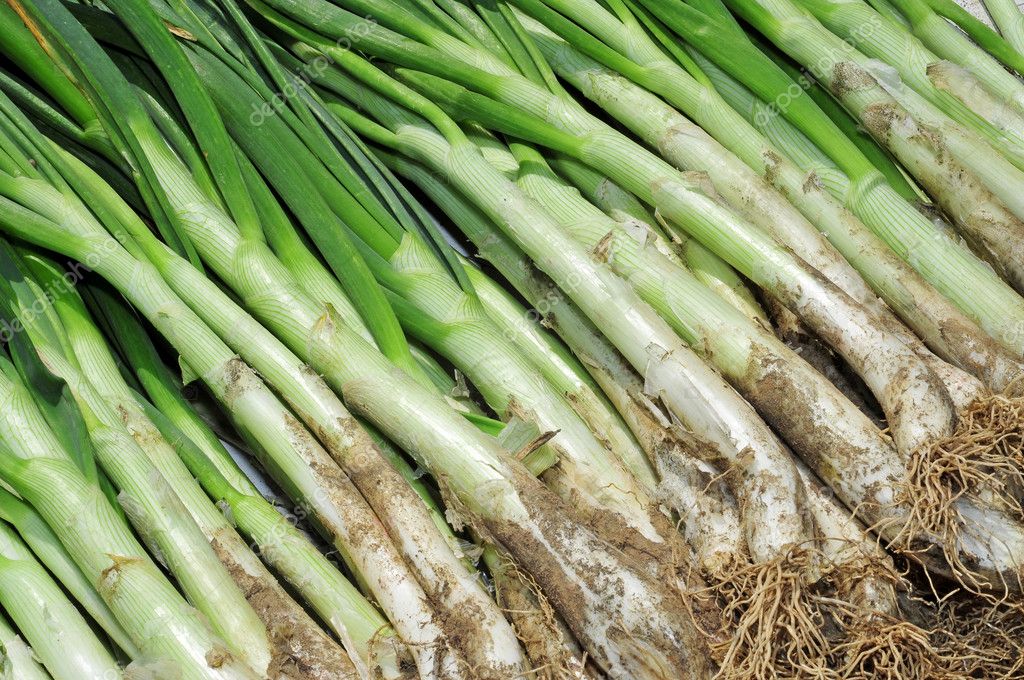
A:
[(943, 261), (624, 207), (974, 184), (461, 330), (950, 43), (303, 467), (908, 294), (670, 454), (1009, 20), (274, 606), (356, 622), (47, 547), (672, 372), (17, 660), (55, 629), (161, 519), (264, 283), (161, 623), (331, 348), (564, 371), (870, 33)]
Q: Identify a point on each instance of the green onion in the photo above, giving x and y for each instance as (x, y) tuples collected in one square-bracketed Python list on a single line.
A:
[(1008, 18), (17, 660), (625, 208), (410, 611), (927, 312), (866, 29), (48, 549), (952, 45), (608, 368), (892, 111), (980, 32), (945, 263), (481, 477), (160, 622), (69, 347), (434, 308), (56, 630), (364, 632)]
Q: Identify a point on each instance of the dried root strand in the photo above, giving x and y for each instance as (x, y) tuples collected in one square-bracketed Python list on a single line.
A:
[(984, 457), (549, 645), (775, 630), (882, 646), (987, 639), (783, 626), (988, 444)]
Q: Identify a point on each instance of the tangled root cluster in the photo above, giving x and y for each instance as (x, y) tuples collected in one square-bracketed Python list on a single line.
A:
[(781, 625), (881, 646), (986, 638), (774, 628), (983, 457)]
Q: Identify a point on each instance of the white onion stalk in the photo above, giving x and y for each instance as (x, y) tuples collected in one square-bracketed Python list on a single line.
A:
[(17, 661), (950, 43), (564, 371), (651, 272), (306, 469), (157, 513), (625, 208), (370, 385), (711, 523), (369, 639), (944, 262), (305, 643), (1008, 18), (707, 267), (48, 549), (163, 626), (642, 260), (871, 34), (575, 214), (687, 146), (917, 303), (561, 259), (312, 330), (458, 326), (59, 635), (928, 312), (970, 180), (437, 311), (837, 318)]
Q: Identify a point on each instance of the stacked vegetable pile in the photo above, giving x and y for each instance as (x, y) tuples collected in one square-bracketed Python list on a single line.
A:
[(553, 338)]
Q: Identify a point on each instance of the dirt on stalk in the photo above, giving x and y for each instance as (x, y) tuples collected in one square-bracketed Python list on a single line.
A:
[(300, 649), (632, 626)]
